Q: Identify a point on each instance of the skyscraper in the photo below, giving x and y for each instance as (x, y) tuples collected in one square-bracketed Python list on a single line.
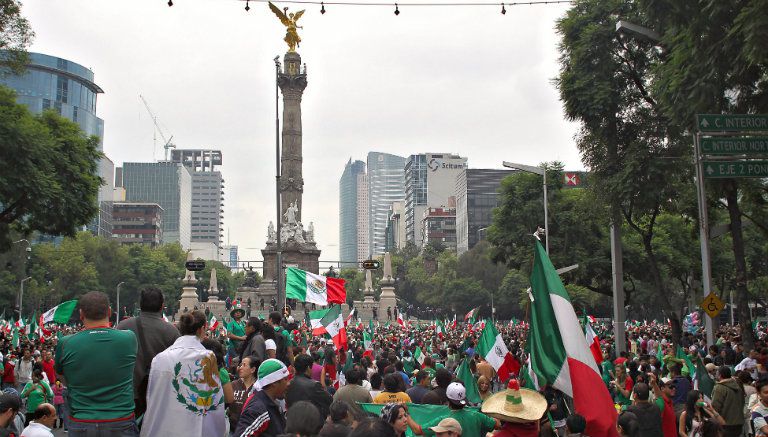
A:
[(169, 185), (363, 249), (207, 193), (349, 199), (430, 182), (67, 88), (386, 184), (477, 193)]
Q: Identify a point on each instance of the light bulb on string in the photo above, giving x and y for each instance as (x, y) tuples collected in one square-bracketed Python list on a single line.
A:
[(247, 6), (397, 11), (503, 11), (322, 8), (170, 3)]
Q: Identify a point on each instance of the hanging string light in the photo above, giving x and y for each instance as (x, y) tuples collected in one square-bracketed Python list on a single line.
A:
[(247, 6), (170, 3), (397, 9)]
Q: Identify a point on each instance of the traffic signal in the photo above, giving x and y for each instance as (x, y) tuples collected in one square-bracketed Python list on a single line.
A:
[(371, 264)]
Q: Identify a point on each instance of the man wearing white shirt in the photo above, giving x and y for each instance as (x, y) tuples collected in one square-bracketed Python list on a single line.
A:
[(749, 364), (45, 417)]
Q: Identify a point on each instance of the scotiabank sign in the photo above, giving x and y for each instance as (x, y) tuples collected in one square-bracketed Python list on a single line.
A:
[(435, 164)]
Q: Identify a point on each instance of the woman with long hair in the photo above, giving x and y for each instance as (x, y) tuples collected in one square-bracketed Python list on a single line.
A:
[(484, 387), (254, 341), (397, 416), (697, 411), (241, 387)]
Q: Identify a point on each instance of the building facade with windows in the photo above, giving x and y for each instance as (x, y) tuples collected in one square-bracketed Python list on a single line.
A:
[(430, 182), (169, 185), (438, 225), (352, 181), (137, 223), (386, 184), (395, 234), (207, 210), (477, 194)]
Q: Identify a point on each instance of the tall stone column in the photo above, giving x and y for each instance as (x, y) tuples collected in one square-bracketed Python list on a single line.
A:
[(292, 82)]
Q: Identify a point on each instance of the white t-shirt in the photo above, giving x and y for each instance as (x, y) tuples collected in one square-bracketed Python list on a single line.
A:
[(36, 430), (270, 345)]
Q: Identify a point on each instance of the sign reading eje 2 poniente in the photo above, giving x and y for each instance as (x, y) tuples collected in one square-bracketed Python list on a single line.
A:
[(736, 169), (732, 122)]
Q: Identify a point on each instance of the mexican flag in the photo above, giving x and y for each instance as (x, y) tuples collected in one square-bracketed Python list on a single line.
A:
[(213, 322), (329, 322), (367, 345), (440, 329), (61, 313), (15, 338), (492, 348), (559, 352), (703, 382), (471, 314), (349, 317), (400, 320), (529, 376), (594, 343), (470, 383), (309, 287), (419, 356)]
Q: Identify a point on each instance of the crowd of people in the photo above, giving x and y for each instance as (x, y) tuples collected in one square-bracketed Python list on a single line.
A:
[(272, 377)]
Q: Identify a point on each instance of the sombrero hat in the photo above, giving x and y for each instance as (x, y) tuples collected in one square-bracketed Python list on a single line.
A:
[(238, 307), (515, 404)]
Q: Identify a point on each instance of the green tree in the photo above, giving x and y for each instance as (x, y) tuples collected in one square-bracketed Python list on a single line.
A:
[(48, 172), (15, 36), (715, 62)]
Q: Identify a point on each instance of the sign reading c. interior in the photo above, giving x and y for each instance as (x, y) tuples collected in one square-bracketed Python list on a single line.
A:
[(731, 122)]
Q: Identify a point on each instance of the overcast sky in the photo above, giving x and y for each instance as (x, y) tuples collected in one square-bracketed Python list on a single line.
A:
[(465, 80)]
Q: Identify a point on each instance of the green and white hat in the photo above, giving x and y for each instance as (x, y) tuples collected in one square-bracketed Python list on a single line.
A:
[(270, 371)]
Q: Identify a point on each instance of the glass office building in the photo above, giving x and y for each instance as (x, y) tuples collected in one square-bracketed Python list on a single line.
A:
[(169, 185), (64, 86), (207, 214), (477, 194), (348, 213), (386, 184)]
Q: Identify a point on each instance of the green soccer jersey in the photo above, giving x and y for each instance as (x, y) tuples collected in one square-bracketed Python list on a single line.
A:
[(473, 423), (236, 328), (97, 365)]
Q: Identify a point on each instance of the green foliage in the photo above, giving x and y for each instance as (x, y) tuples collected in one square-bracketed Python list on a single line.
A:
[(85, 263), (227, 282), (15, 36), (48, 172)]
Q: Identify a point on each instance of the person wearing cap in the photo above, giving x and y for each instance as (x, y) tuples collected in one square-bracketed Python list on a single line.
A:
[(448, 427), (518, 409), (261, 415), (472, 423), (235, 331), (664, 394)]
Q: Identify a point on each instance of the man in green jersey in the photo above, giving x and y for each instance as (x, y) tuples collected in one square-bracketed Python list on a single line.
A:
[(235, 331), (96, 365)]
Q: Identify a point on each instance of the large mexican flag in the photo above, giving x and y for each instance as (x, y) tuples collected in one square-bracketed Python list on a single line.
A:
[(559, 352), (318, 289), (329, 321)]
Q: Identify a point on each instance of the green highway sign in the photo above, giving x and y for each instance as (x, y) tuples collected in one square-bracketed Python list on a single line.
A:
[(734, 146), (735, 169), (731, 122)]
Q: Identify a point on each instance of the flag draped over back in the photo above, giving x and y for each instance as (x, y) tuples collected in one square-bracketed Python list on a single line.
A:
[(559, 352)]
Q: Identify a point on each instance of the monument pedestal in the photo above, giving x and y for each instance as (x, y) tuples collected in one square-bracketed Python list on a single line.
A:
[(188, 300)]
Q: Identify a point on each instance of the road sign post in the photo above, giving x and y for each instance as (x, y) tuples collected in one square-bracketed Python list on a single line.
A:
[(740, 137)]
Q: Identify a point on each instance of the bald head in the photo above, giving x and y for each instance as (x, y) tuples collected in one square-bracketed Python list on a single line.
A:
[(45, 414)]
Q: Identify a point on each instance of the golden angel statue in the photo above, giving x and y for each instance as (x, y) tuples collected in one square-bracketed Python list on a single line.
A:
[(289, 21)]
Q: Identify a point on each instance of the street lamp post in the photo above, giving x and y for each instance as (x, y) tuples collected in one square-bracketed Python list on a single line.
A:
[(117, 319), (21, 294), (278, 254), (543, 172)]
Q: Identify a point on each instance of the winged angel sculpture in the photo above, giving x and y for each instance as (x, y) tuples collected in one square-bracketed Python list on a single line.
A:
[(289, 21)]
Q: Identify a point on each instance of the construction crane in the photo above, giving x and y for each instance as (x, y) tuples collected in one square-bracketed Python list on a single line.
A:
[(168, 144)]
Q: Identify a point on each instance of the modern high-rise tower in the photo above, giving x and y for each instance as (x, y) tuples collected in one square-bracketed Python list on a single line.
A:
[(169, 185), (430, 182), (207, 193), (386, 184), (349, 200)]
